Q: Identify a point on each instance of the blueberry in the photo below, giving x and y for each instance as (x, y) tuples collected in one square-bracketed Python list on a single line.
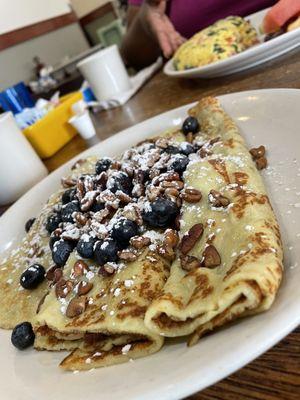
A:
[(68, 209), (61, 251), (85, 246), (106, 251), (123, 231), (22, 336), (53, 221), (103, 165), (187, 149), (190, 124), (179, 164), (97, 207), (172, 149), (52, 240), (119, 181), (29, 224), (68, 196), (32, 276), (161, 213)]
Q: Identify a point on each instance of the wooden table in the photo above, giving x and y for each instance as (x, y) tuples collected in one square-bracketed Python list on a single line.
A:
[(276, 374)]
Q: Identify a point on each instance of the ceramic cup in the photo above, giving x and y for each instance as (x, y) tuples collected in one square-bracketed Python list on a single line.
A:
[(106, 73), (20, 166)]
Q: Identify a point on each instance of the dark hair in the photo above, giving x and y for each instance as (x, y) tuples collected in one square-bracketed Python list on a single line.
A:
[(123, 4)]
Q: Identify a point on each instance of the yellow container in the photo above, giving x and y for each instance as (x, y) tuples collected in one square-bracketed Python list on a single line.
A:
[(52, 132)]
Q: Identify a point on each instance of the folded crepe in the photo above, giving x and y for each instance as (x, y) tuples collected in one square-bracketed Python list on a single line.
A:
[(240, 249), (111, 329), (201, 247), (16, 303)]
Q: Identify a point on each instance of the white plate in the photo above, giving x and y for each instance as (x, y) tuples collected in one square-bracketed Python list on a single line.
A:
[(255, 55), (269, 117)]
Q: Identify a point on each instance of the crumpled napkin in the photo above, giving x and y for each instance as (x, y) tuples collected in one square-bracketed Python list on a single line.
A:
[(137, 82)]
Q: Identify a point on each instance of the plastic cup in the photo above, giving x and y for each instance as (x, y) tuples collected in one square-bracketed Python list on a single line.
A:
[(84, 125)]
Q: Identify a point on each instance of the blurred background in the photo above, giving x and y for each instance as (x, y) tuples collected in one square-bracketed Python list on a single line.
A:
[(53, 36)]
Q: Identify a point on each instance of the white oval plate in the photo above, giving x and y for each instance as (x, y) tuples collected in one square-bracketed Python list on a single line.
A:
[(269, 117), (251, 57)]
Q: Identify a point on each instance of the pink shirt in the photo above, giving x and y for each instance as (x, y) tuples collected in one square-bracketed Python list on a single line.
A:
[(190, 16)]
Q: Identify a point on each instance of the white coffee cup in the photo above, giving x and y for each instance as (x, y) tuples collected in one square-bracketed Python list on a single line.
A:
[(106, 73), (20, 166)]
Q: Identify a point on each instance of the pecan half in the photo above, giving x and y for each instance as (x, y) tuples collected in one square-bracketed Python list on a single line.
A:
[(80, 189), (191, 195), (127, 255), (58, 273), (50, 272), (84, 287), (189, 239), (154, 173), (107, 269), (175, 184), (129, 169), (88, 200), (79, 268), (169, 177), (139, 242), (123, 197), (133, 213), (138, 190), (99, 216), (153, 192), (68, 182), (257, 152), (80, 218), (216, 199), (116, 165), (78, 163), (211, 257), (102, 179), (171, 238), (63, 288), (203, 152), (261, 163), (189, 263), (76, 307), (172, 193), (162, 143)]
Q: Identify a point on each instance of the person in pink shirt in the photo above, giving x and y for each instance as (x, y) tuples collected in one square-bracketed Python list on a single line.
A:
[(161, 26)]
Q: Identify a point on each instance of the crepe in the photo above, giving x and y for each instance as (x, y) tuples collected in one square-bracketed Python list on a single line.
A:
[(18, 304), (245, 234), (112, 329)]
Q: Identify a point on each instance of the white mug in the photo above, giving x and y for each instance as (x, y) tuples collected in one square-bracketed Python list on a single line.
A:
[(20, 166), (106, 73)]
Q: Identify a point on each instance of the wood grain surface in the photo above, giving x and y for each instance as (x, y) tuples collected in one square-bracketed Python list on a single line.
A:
[(29, 32), (276, 374)]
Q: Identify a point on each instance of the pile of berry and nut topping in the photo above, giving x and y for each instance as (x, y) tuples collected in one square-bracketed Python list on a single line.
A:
[(111, 215)]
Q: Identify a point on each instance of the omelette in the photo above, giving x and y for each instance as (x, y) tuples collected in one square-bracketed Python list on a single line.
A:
[(219, 41), (173, 238)]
